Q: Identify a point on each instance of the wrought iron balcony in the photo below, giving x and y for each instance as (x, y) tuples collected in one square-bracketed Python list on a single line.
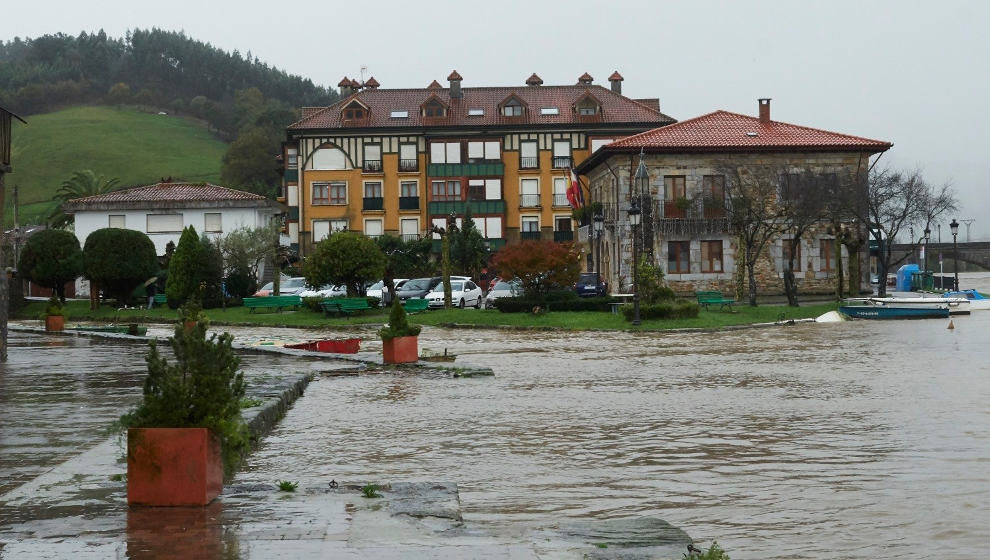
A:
[(560, 236), (408, 165), (529, 162), (373, 165), (410, 236), (529, 200), (529, 235), (373, 203), (560, 199), (562, 162), (408, 203)]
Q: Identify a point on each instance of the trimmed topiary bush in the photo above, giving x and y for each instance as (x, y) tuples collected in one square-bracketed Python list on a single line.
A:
[(185, 268), (398, 325), (556, 301), (50, 258), (119, 260)]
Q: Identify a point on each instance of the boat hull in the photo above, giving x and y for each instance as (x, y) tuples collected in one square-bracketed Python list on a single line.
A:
[(890, 312), (345, 346)]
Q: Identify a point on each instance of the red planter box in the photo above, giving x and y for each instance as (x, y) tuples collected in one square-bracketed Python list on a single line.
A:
[(173, 466), (55, 323), (401, 350)]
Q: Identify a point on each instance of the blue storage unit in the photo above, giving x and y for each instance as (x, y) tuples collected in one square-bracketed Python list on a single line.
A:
[(904, 277)]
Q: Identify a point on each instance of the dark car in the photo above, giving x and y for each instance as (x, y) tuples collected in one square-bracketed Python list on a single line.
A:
[(417, 287), (590, 285)]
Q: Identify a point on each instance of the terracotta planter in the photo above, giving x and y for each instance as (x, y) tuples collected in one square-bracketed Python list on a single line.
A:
[(54, 323), (401, 350), (173, 466), (189, 325)]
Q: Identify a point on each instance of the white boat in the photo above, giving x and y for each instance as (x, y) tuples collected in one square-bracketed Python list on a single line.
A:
[(957, 305), (975, 299)]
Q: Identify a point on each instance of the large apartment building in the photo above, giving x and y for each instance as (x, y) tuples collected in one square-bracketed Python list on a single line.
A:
[(399, 161)]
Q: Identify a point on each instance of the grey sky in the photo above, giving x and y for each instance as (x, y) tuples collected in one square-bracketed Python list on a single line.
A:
[(913, 73)]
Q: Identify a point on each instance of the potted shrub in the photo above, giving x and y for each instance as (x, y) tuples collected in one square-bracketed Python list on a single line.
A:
[(54, 315), (191, 313), (400, 340), (188, 430)]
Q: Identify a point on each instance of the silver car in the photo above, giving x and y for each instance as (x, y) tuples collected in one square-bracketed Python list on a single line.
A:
[(503, 289)]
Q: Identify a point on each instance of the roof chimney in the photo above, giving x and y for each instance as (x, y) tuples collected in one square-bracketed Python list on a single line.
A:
[(372, 83), (534, 80), (616, 80), (585, 79), (765, 109), (455, 85), (345, 86)]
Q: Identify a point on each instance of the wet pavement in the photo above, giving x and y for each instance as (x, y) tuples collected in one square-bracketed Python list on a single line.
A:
[(857, 439)]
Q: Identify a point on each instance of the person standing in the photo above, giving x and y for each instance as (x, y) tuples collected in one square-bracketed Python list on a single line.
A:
[(152, 291)]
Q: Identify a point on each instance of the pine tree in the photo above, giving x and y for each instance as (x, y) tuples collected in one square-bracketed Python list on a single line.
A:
[(185, 269)]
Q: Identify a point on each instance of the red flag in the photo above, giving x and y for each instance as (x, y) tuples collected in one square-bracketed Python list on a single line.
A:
[(578, 193)]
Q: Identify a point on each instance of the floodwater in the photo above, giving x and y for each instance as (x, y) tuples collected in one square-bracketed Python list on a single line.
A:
[(848, 440)]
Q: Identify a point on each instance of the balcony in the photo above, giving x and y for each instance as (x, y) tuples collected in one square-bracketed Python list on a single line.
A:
[(410, 237), (408, 165), (529, 201), (494, 243), (465, 169), (675, 208), (529, 235), (713, 209), (561, 236), (408, 203), (372, 166), (292, 175), (562, 162), (560, 199), (445, 207), (293, 213), (373, 203), (529, 163)]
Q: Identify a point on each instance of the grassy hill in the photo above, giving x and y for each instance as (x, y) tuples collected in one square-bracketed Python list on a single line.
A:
[(137, 148)]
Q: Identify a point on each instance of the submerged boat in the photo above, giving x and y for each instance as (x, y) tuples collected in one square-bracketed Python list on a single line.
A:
[(124, 329), (976, 300), (886, 308), (957, 305), (336, 346)]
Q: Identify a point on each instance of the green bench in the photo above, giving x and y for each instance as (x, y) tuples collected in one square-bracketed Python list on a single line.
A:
[(415, 305), (714, 298), (274, 302), (161, 299), (344, 306)]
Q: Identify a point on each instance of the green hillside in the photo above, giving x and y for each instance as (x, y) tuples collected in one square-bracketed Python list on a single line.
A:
[(137, 148)]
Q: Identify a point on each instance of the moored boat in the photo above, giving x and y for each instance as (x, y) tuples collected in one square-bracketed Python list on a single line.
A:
[(976, 300), (893, 311), (957, 306), (133, 329)]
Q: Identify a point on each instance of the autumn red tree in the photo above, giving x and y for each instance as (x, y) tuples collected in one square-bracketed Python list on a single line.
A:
[(541, 266)]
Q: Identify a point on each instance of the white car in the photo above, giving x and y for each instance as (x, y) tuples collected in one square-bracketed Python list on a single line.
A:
[(503, 289), (376, 289), (325, 291), (292, 286), (463, 293)]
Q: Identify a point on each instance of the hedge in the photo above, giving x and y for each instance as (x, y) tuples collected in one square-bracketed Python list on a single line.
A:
[(553, 302), (681, 309)]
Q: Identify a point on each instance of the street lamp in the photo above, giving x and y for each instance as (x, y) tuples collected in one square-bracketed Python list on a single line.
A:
[(598, 222), (954, 226), (928, 235), (641, 184)]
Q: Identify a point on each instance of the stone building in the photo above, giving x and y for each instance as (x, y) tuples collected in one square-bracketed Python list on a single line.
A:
[(694, 167)]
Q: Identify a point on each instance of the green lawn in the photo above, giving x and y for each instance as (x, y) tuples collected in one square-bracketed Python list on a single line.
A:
[(136, 147), (578, 320)]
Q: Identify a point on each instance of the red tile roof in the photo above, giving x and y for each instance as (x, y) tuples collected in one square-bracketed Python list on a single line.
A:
[(168, 192), (722, 131), (616, 108), (434, 85)]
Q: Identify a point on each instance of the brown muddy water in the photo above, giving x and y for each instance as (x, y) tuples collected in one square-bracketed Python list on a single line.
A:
[(850, 440)]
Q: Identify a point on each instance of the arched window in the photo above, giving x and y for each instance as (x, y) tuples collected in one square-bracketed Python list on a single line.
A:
[(329, 158)]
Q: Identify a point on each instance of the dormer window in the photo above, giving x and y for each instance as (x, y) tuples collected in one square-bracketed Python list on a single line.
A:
[(355, 111), (351, 114), (434, 109), (587, 106), (512, 108), (587, 110)]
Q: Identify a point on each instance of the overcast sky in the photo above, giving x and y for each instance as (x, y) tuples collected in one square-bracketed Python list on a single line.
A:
[(914, 73)]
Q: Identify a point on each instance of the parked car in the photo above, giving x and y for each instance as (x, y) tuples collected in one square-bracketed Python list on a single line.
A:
[(502, 289), (325, 291), (417, 287), (378, 289), (287, 287), (590, 285), (463, 293)]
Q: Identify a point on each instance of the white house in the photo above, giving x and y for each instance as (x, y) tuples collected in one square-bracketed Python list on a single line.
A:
[(162, 211)]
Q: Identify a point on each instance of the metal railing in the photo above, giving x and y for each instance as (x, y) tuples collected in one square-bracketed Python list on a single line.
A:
[(373, 203), (560, 199), (372, 165), (408, 164), (529, 162), (408, 203), (560, 235), (561, 162), (529, 235), (410, 236), (529, 200)]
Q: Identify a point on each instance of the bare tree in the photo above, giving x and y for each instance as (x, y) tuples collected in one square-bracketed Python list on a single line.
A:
[(754, 213), (803, 204), (893, 201)]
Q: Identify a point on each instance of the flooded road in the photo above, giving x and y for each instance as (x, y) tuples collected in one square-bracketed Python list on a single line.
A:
[(858, 439)]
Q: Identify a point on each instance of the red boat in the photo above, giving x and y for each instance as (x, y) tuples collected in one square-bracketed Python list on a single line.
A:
[(342, 346)]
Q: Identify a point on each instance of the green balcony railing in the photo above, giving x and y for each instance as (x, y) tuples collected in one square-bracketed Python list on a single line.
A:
[(293, 213), (373, 203), (408, 203), (292, 175), (445, 207), (529, 235), (561, 236), (465, 169)]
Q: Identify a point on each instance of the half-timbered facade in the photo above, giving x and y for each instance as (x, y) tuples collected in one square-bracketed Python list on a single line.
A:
[(695, 168), (400, 160)]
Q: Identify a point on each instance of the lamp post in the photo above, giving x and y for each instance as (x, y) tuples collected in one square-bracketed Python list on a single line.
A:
[(641, 184), (954, 226), (598, 222)]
